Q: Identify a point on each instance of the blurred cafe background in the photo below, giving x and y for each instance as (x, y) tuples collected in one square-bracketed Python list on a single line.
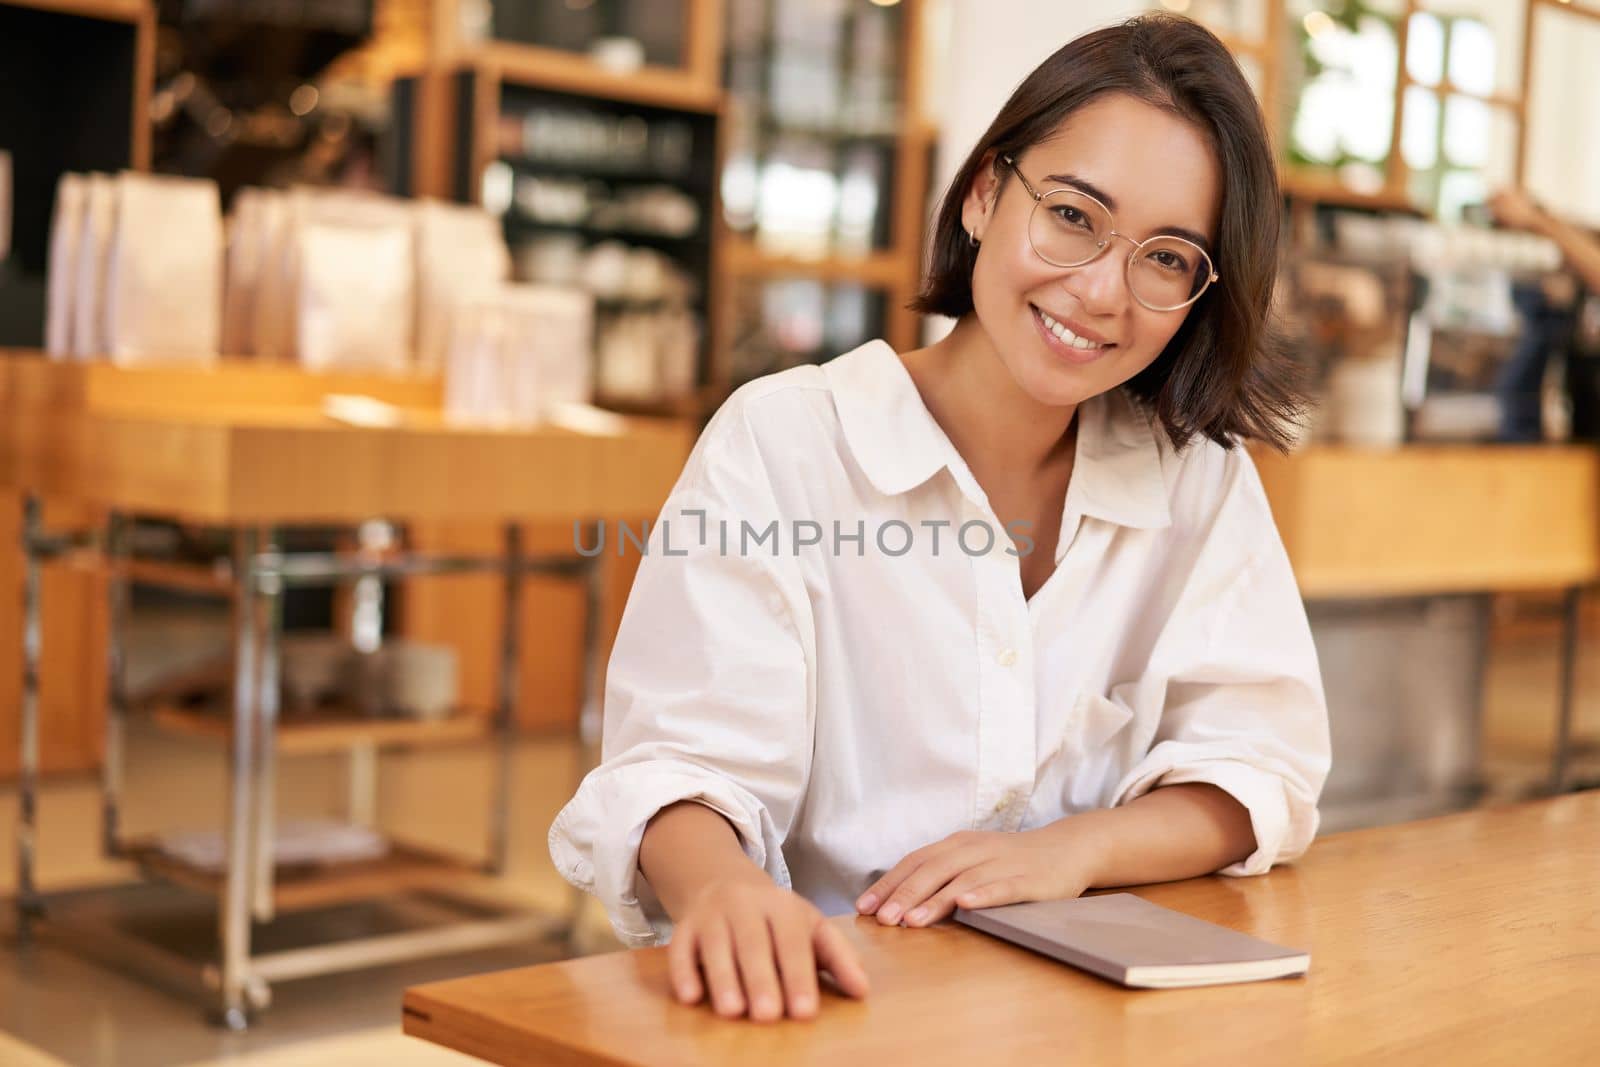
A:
[(330, 330)]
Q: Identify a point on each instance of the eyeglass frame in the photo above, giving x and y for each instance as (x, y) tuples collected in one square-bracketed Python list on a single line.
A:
[(1038, 198)]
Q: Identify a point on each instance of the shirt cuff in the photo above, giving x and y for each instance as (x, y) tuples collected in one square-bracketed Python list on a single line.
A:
[(594, 841), (1282, 832)]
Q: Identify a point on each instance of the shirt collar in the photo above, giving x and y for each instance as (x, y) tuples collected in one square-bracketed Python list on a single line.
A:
[(898, 445), (891, 433), (1117, 475)]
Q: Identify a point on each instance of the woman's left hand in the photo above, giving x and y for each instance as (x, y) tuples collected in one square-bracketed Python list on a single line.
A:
[(982, 869)]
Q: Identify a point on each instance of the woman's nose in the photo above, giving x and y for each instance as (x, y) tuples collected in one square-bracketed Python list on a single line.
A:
[(1101, 285)]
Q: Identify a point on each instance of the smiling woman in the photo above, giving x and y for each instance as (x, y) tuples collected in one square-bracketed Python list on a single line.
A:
[(1156, 123), (1120, 688)]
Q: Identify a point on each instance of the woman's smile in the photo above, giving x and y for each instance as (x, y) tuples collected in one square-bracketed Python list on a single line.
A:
[(1079, 345)]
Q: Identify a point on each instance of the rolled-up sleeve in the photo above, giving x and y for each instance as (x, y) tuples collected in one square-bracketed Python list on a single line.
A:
[(709, 689), (1242, 699)]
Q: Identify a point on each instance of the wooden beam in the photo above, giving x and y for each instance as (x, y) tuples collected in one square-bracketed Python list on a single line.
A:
[(1272, 73), (551, 68), (909, 195), (485, 145), (134, 11), (1528, 8), (433, 141), (880, 270), (719, 295), (144, 77), (445, 46), (702, 54), (1395, 176)]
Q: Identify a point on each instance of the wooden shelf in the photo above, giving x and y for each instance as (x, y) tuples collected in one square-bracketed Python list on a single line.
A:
[(193, 577), (652, 238), (882, 269), (333, 733), (109, 10), (297, 467), (300, 886), (1317, 189), (550, 68)]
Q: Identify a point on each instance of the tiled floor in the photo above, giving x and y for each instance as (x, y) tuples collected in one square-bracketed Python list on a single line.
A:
[(56, 1008)]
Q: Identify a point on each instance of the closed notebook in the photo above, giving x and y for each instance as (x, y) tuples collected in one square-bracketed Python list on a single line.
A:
[(1136, 943)]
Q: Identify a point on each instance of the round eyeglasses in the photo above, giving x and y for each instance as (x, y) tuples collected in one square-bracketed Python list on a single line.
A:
[(1069, 228)]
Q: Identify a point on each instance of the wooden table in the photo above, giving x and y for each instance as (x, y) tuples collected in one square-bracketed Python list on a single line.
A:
[(45, 406), (247, 449), (1470, 939), (241, 443)]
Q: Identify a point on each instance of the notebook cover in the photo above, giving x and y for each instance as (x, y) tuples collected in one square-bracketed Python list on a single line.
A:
[(1110, 935)]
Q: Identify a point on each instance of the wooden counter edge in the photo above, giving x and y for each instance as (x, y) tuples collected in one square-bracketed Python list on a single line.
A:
[(463, 1030)]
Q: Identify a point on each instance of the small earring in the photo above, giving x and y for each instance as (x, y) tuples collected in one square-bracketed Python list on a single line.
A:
[(972, 238)]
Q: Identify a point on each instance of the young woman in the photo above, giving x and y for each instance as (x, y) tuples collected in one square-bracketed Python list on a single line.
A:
[(1001, 619)]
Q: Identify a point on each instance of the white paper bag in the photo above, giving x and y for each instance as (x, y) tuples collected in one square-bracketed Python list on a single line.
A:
[(271, 330), (354, 299), (558, 328), (461, 255), (65, 223), (474, 364), (242, 273), (518, 355), (164, 279), (89, 336), (309, 205)]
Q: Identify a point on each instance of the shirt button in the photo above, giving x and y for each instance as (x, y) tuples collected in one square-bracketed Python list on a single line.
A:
[(1008, 657)]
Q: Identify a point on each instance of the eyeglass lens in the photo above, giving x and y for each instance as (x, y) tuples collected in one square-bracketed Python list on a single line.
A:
[(1068, 229)]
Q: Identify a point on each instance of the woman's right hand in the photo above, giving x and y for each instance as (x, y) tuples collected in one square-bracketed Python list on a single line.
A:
[(755, 948)]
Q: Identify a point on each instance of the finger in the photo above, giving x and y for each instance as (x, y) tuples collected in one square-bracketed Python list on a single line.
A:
[(924, 882), (681, 969), (885, 887), (752, 951), (871, 901), (879, 891), (716, 959), (839, 956), (797, 965), (993, 894), (941, 904)]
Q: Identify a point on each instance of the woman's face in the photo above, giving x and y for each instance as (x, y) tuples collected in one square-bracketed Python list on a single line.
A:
[(1157, 173)]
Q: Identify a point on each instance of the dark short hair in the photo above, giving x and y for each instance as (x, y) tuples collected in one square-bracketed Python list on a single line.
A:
[(1225, 374)]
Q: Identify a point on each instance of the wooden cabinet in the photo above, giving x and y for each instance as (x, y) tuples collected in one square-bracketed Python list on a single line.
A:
[(72, 676), (465, 612)]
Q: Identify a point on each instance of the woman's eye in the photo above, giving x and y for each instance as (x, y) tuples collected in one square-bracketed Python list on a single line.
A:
[(1169, 260), (1073, 217)]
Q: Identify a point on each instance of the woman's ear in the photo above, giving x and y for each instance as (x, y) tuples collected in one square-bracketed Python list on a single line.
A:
[(978, 204)]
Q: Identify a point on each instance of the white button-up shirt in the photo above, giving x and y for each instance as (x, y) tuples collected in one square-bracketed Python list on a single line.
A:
[(827, 642)]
